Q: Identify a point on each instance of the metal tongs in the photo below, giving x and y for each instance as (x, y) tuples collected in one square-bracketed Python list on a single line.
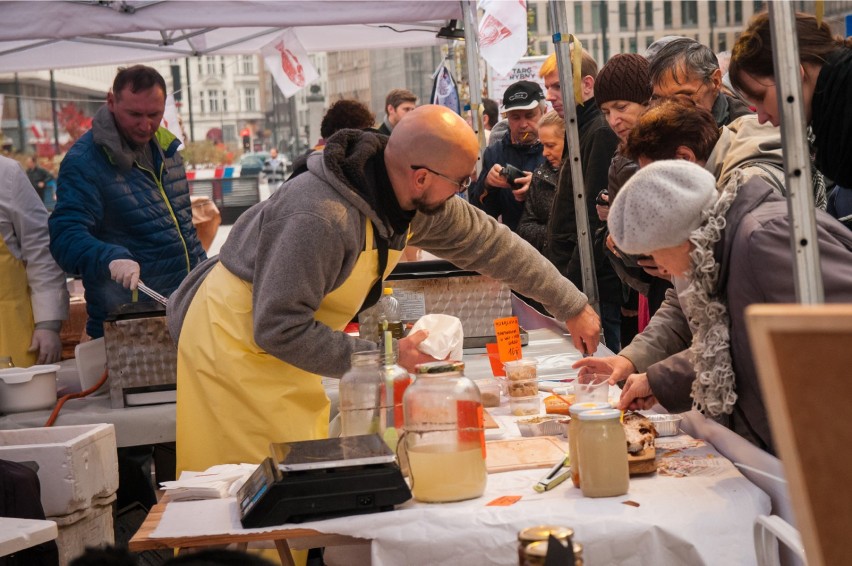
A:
[(153, 294)]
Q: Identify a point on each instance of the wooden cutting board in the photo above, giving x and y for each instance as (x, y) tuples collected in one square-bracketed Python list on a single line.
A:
[(523, 453)]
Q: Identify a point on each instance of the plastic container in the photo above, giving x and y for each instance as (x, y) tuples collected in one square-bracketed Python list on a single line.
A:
[(521, 370), (525, 388), (591, 392), (363, 395), (604, 471), (489, 390), (573, 430), (389, 315), (28, 389), (444, 435), (542, 426), (520, 406)]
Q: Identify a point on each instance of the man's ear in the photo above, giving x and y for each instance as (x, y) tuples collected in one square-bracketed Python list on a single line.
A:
[(685, 153), (389, 109), (716, 79), (110, 101), (588, 83), (419, 185)]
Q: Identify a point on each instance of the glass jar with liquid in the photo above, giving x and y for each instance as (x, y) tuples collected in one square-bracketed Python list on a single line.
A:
[(603, 454), (362, 395), (444, 439), (573, 429), (538, 533)]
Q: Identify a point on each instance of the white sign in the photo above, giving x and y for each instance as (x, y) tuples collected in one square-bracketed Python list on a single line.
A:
[(524, 70), (502, 32), (288, 63)]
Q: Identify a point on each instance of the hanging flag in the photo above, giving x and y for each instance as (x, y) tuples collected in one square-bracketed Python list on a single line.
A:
[(171, 121), (503, 33), (288, 63), (444, 91)]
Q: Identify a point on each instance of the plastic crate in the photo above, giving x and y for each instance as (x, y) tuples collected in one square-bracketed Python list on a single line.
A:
[(77, 464)]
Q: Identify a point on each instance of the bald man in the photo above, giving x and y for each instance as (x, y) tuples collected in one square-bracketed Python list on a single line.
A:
[(258, 325)]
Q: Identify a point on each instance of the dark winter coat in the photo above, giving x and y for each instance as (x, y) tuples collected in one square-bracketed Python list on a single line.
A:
[(533, 224)]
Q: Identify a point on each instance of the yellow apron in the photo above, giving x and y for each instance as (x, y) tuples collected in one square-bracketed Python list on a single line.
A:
[(233, 398), (16, 311)]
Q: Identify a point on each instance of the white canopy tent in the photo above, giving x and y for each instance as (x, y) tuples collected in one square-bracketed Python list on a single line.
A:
[(60, 34)]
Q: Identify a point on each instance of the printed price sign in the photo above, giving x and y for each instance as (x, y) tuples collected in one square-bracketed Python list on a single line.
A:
[(508, 338)]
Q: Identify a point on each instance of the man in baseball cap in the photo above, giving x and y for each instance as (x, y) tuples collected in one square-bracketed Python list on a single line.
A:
[(502, 193)]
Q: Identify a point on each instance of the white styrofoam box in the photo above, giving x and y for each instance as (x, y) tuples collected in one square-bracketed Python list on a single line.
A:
[(76, 463), (20, 534), (92, 527)]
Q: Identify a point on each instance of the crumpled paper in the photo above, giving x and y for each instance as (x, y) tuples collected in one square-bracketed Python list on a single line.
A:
[(446, 336)]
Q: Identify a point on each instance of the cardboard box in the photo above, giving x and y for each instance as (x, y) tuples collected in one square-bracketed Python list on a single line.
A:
[(77, 464)]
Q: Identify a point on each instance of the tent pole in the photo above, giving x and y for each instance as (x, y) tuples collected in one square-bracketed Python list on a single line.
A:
[(473, 79), (559, 20), (797, 164)]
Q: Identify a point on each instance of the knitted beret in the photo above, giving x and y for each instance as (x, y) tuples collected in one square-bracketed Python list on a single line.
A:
[(661, 205), (624, 77)]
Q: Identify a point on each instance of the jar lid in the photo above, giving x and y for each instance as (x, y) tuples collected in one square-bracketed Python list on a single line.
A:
[(542, 532), (578, 408), (600, 415), (443, 366)]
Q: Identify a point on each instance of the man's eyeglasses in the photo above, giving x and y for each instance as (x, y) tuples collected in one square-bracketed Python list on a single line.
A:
[(462, 185)]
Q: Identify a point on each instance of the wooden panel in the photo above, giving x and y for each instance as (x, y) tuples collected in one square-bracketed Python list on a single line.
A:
[(803, 355)]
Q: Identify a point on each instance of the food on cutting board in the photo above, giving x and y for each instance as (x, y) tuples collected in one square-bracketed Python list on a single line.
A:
[(640, 432)]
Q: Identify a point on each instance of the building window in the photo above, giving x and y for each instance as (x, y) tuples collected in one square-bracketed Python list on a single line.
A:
[(722, 44), (224, 101), (727, 12), (738, 11), (211, 64), (648, 41), (622, 15), (667, 14), (248, 64), (596, 16), (711, 7), (689, 12), (649, 15), (578, 17), (758, 6), (213, 96), (202, 102), (250, 99), (200, 67), (632, 45)]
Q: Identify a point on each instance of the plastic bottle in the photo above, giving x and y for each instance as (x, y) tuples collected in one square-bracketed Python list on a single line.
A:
[(444, 438), (362, 393), (389, 315)]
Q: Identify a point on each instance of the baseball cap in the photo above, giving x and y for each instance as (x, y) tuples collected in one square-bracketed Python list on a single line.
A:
[(522, 95)]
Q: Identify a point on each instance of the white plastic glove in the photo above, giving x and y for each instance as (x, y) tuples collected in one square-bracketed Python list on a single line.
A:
[(125, 271), (48, 345)]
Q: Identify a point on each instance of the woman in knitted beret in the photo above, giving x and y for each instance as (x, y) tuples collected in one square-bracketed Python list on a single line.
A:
[(733, 249), (826, 73)]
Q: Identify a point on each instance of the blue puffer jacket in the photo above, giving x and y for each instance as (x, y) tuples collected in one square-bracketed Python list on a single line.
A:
[(103, 213)]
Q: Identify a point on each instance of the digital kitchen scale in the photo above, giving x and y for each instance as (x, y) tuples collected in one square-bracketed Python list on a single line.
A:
[(318, 479)]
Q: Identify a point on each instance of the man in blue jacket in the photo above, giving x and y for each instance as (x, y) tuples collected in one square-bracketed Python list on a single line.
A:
[(123, 211), (503, 196)]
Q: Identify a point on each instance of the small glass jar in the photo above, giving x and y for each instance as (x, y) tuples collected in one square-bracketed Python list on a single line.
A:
[(536, 553), (603, 454), (573, 429), (541, 532), (362, 395), (444, 439)]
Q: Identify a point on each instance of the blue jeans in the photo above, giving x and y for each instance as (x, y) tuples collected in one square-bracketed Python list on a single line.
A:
[(611, 324)]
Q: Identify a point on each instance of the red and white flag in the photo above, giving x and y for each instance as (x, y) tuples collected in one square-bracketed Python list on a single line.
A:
[(503, 33), (288, 63)]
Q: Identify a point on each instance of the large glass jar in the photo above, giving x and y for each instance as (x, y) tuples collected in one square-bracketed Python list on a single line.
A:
[(362, 395), (397, 380), (603, 454), (444, 438), (573, 433)]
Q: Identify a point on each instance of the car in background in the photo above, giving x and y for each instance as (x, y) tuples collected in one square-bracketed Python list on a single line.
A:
[(251, 164)]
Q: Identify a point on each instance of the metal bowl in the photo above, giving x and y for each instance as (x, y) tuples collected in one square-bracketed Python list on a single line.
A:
[(666, 425)]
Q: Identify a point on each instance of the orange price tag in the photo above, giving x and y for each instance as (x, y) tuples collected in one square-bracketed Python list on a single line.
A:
[(508, 338), (494, 358), (504, 501)]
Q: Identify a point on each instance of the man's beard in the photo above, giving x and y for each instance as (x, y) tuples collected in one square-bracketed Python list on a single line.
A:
[(429, 210)]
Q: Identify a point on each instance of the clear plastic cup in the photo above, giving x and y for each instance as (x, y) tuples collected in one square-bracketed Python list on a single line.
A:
[(525, 388), (521, 370), (592, 388), (520, 406)]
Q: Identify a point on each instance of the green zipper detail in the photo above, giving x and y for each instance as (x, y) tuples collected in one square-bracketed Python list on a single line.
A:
[(169, 205)]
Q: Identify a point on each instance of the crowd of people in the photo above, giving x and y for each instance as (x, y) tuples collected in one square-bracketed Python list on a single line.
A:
[(683, 188)]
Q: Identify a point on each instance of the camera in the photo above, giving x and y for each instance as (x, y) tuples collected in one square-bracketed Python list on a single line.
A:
[(631, 260), (600, 201), (511, 173)]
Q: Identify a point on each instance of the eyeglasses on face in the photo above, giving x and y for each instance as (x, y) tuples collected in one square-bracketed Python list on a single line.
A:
[(463, 185)]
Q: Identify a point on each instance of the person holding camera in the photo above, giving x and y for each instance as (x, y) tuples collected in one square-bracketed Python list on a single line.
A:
[(507, 165)]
